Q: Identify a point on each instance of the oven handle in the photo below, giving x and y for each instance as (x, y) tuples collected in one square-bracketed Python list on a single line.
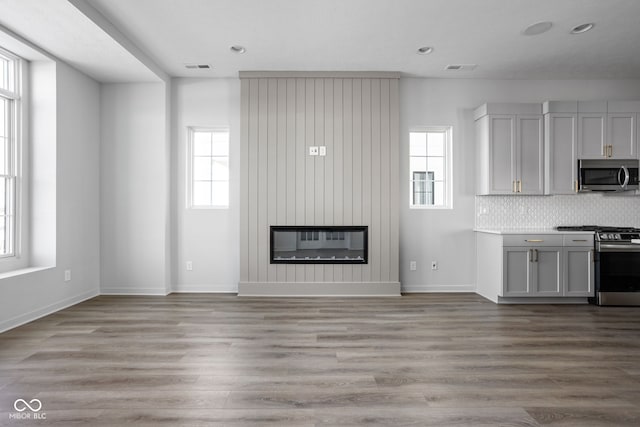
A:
[(608, 247), (626, 177)]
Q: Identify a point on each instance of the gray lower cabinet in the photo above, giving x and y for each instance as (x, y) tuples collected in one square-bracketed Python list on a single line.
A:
[(578, 272), (554, 265), (532, 271)]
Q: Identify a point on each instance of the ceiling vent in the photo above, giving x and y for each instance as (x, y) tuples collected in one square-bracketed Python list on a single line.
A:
[(197, 66), (460, 67)]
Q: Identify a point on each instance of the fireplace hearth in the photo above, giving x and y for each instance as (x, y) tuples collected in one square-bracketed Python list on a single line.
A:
[(319, 245)]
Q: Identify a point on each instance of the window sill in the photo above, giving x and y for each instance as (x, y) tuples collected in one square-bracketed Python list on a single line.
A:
[(22, 272), (205, 208), (429, 208)]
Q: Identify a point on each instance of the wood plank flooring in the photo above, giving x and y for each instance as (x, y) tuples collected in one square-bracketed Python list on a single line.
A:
[(428, 360)]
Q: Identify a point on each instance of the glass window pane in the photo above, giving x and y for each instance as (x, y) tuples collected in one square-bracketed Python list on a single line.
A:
[(220, 168), (417, 144), (220, 144), (4, 74), (202, 168), (3, 196), (201, 193), (202, 143), (418, 164), (4, 226), (436, 165), (438, 193), (3, 155), (4, 120), (435, 144), (220, 194)]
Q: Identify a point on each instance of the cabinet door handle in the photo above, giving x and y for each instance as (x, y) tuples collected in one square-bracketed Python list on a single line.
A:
[(513, 186), (536, 258), (519, 186), (575, 185), (610, 150), (579, 240), (530, 255), (534, 240)]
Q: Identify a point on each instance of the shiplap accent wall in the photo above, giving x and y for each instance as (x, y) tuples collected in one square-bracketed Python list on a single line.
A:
[(356, 116)]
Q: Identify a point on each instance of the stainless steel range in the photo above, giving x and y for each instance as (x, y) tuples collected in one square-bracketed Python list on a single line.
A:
[(617, 264)]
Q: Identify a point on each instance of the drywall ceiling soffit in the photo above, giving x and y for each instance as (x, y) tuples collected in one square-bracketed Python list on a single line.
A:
[(60, 29), (383, 35)]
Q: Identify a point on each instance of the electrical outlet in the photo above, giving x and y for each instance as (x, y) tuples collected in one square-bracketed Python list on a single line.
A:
[(189, 265), (434, 265), (67, 275), (412, 265), (313, 151)]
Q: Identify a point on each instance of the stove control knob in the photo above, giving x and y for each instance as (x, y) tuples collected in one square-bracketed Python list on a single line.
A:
[(617, 237)]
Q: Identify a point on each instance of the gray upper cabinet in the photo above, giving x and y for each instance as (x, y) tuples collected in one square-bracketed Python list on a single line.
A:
[(591, 135), (561, 147), (622, 129), (511, 147), (608, 129)]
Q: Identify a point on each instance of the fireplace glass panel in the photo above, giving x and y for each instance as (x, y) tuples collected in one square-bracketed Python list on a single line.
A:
[(319, 245)]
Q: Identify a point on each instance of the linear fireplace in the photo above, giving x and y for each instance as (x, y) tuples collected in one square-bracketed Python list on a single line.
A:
[(319, 245)]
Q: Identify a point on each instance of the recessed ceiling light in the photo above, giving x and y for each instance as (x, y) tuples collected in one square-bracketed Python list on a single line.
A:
[(537, 28), (425, 50), (582, 28), (237, 49)]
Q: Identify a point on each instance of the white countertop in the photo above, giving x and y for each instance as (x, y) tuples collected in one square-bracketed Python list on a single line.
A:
[(526, 231)]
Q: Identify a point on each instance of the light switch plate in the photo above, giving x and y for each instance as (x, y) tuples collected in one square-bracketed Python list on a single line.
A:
[(323, 150), (313, 151)]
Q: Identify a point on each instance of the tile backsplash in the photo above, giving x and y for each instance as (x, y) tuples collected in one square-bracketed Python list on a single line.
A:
[(550, 211)]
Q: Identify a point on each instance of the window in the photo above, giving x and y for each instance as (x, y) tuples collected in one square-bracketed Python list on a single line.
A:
[(430, 167), (208, 168), (9, 150)]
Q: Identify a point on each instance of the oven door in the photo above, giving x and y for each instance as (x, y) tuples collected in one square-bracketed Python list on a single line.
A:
[(618, 274)]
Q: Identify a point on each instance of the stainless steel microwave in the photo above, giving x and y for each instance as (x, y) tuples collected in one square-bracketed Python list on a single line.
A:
[(608, 175)]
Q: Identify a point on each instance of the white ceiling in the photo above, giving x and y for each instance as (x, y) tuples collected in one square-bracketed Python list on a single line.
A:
[(345, 35), (60, 29)]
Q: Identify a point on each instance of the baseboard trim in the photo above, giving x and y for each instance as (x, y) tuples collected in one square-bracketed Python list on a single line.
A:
[(133, 291), (46, 310), (206, 289), (542, 300), (415, 289), (319, 289)]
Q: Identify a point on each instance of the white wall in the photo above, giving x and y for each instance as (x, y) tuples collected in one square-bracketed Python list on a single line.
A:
[(446, 235), (27, 296), (209, 238), (134, 189)]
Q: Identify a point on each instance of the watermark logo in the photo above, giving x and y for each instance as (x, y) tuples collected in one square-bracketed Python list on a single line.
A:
[(27, 410), (21, 405)]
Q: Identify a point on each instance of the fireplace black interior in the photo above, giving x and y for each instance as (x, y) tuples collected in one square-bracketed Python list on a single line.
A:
[(319, 245)]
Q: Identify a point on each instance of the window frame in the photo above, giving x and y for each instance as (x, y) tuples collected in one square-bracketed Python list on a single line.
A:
[(16, 94), (191, 131), (448, 168)]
